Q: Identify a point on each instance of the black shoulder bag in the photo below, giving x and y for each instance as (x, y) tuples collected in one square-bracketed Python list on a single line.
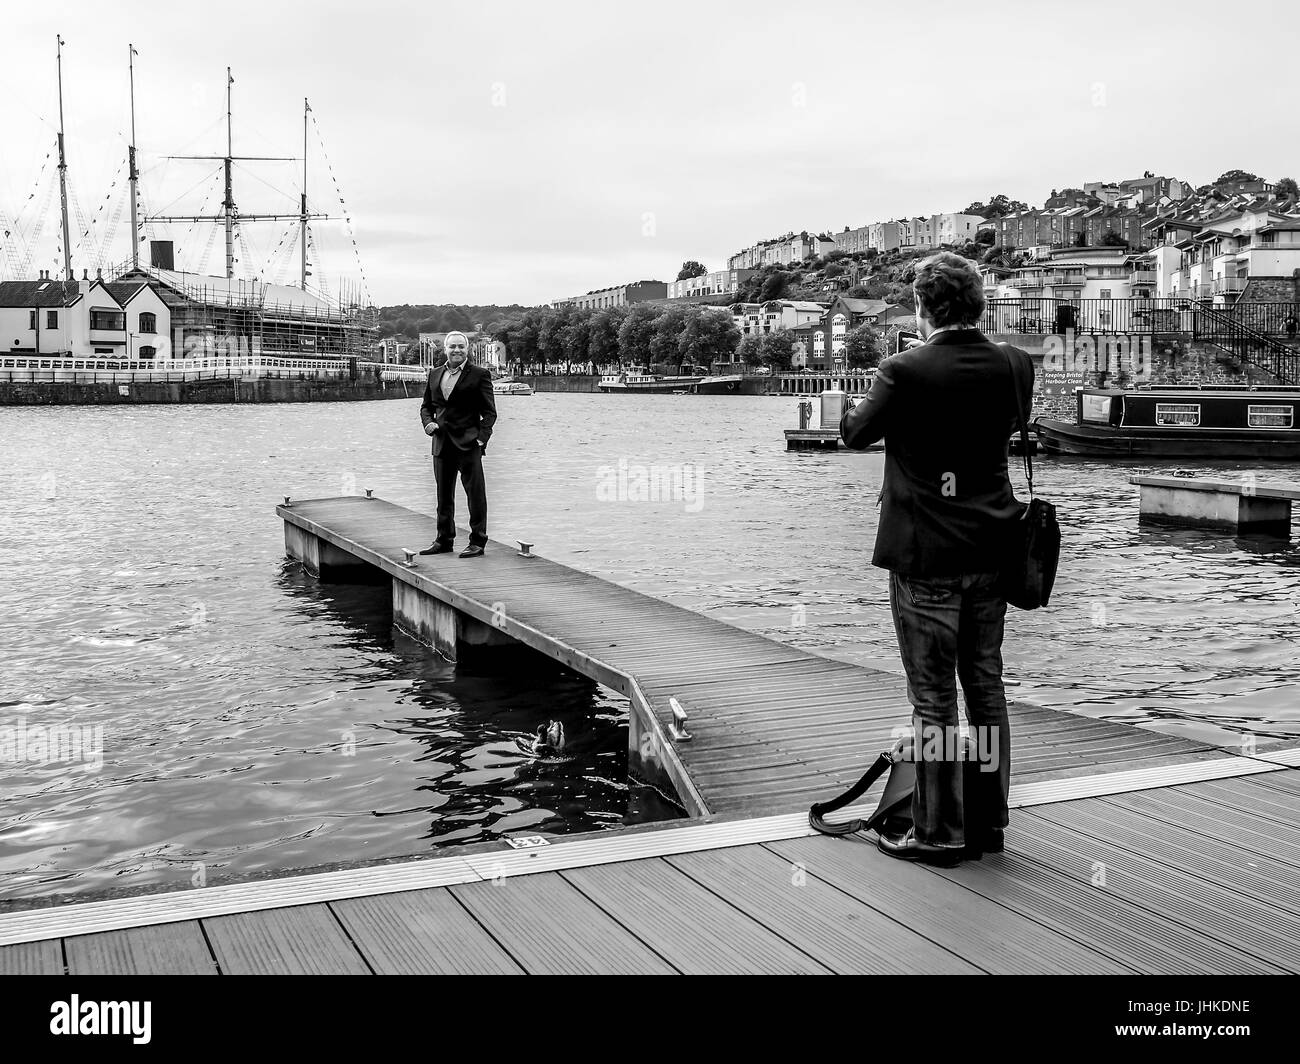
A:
[(1034, 544), (893, 814)]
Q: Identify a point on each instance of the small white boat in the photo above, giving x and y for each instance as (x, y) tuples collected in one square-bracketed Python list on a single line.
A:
[(504, 387)]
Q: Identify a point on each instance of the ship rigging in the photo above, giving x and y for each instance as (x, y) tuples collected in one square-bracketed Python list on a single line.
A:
[(90, 244), (210, 316)]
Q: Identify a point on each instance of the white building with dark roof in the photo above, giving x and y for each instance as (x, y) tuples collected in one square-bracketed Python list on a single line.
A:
[(122, 320)]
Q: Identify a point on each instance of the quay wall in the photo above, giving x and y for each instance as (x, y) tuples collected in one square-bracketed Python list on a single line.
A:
[(1175, 360), (568, 382), (229, 390)]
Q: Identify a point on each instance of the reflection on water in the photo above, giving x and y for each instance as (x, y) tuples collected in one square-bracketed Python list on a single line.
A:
[(256, 722)]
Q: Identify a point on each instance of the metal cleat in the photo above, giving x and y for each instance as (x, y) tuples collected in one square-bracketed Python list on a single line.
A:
[(677, 726)]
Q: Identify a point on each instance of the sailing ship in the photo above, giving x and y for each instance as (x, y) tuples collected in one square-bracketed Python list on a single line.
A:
[(145, 315)]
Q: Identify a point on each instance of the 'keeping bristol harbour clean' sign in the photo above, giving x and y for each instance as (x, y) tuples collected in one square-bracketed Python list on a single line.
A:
[(1072, 361)]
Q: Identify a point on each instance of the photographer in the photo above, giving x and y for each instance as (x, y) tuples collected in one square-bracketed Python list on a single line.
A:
[(945, 409)]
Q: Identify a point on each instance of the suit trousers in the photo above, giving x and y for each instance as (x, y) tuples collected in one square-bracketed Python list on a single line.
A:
[(449, 462), (950, 628)]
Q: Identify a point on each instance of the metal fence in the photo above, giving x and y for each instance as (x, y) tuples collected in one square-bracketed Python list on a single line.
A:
[(1034, 314)]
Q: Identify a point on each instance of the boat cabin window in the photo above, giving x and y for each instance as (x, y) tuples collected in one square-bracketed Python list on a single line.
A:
[(1260, 416), (1178, 413), (1096, 408)]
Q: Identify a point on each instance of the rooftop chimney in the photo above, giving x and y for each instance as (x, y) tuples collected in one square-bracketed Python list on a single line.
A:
[(161, 255)]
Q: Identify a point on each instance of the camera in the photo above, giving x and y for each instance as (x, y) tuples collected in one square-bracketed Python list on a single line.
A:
[(902, 340)]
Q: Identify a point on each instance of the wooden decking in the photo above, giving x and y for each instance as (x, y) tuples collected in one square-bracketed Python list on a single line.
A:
[(1128, 852), (774, 727), (1198, 878)]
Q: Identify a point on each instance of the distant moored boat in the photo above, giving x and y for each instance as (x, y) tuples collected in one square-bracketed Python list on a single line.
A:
[(1178, 422)]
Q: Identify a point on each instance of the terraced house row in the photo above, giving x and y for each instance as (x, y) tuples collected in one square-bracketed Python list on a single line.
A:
[(1147, 237)]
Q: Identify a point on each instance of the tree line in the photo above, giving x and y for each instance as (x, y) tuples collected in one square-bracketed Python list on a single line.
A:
[(639, 334), (407, 321), (686, 338)]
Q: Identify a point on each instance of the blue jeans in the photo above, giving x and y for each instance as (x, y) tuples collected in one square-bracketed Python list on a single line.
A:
[(951, 627)]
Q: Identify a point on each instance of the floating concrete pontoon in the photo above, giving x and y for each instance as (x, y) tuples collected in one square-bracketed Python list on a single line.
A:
[(1241, 506)]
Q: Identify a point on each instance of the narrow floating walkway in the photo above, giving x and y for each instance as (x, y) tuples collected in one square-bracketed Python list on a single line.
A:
[(774, 727)]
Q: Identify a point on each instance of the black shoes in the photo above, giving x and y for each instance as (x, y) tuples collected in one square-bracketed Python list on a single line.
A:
[(439, 547), (992, 841), (907, 847)]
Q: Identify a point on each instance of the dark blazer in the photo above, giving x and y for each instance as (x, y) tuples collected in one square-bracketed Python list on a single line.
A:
[(946, 411), (464, 419)]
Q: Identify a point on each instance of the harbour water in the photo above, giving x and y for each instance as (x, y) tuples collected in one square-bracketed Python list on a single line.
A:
[(255, 722)]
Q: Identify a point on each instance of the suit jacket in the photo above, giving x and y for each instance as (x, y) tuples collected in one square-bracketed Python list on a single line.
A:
[(946, 411), (465, 418)]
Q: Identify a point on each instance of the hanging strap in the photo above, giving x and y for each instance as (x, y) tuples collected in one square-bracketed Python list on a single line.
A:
[(815, 814), (1020, 414)]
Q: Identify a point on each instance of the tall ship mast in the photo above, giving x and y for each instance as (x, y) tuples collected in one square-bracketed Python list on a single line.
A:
[(133, 170), (248, 309), (247, 315), (230, 215), (63, 174)]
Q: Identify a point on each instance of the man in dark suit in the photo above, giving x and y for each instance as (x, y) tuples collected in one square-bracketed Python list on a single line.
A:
[(946, 409), (458, 411)]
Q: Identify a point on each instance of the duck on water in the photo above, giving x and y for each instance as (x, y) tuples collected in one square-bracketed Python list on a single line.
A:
[(549, 741)]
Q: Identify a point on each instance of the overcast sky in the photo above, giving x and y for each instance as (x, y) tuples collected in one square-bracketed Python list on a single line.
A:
[(508, 152)]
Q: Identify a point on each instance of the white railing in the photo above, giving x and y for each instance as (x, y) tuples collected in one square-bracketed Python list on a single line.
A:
[(49, 369)]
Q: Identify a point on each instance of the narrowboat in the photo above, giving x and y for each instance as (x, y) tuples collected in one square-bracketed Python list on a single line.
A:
[(1178, 422)]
